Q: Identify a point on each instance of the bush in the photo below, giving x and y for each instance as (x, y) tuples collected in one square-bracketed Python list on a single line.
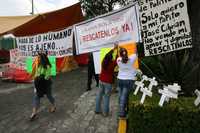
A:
[(177, 116)]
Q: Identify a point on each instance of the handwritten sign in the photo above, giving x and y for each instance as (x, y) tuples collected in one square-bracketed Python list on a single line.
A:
[(165, 26), (57, 44)]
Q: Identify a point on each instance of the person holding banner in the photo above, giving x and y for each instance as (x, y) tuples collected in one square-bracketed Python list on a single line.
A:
[(106, 80), (42, 83), (126, 77), (91, 73)]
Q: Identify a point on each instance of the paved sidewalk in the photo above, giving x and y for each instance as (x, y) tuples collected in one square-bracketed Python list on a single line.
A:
[(75, 108), (83, 119)]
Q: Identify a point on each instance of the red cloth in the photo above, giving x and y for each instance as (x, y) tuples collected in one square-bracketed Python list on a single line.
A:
[(107, 75), (82, 59)]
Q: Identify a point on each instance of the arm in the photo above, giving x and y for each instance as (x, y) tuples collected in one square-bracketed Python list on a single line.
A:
[(132, 58)]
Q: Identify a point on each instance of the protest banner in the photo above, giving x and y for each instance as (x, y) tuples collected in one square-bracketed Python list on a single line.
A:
[(103, 31), (57, 43), (165, 26), (16, 60)]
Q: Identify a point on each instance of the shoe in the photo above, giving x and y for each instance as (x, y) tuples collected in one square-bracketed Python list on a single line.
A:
[(88, 89), (33, 117), (97, 112), (122, 117), (52, 109)]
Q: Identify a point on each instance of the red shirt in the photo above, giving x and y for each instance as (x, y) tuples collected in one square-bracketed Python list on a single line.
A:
[(107, 75)]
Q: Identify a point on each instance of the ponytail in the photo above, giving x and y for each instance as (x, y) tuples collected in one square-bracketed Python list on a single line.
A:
[(124, 55)]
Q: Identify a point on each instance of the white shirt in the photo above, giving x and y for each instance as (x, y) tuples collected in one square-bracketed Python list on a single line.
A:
[(126, 70)]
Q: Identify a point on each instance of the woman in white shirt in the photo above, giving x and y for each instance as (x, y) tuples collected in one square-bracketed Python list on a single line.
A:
[(126, 77)]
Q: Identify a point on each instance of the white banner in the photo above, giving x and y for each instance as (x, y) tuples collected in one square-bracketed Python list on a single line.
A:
[(16, 60), (104, 31), (165, 26), (57, 44)]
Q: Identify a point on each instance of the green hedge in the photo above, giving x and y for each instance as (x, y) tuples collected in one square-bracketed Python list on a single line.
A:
[(177, 116)]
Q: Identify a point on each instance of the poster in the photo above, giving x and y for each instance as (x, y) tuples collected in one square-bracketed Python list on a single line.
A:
[(103, 31), (57, 44), (165, 26), (16, 60)]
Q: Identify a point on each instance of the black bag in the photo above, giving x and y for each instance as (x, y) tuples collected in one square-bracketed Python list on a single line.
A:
[(40, 85)]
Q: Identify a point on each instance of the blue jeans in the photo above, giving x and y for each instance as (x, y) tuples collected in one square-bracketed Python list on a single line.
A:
[(124, 87), (36, 98), (104, 92)]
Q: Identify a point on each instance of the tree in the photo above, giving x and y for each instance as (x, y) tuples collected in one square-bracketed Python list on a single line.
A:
[(93, 8)]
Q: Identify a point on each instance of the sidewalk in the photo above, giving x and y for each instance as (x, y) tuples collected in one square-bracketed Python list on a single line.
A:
[(75, 108), (83, 119)]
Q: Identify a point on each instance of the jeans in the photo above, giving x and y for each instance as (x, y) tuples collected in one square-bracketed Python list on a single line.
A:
[(124, 87), (104, 92), (36, 98)]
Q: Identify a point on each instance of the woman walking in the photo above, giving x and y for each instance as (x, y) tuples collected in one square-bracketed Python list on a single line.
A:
[(105, 85), (126, 77), (42, 83)]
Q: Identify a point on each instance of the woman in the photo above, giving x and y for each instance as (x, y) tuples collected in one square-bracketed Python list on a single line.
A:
[(126, 77), (105, 85), (42, 82)]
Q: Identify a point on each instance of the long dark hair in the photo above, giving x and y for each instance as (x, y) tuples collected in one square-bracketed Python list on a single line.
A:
[(107, 59), (44, 61), (124, 54)]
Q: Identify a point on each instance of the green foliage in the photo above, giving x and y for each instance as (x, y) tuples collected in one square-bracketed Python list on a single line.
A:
[(93, 8), (174, 67), (177, 116)]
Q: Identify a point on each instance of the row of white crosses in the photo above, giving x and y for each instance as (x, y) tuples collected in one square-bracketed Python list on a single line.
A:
[(147, 91), (170, 91)]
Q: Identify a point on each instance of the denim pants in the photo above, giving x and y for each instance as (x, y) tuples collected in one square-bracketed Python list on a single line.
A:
[(124, 87), (104, 92), (36, 98)]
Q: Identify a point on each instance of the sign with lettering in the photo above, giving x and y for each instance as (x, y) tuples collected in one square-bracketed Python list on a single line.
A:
[(103, 31), (16, 60), (165, 26), (57, 44)]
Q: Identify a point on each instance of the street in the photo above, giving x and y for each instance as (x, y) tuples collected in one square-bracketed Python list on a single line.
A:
[(75, 107)]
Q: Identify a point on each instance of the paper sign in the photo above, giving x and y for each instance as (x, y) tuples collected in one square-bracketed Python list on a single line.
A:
[(29, 62), (52, 60)]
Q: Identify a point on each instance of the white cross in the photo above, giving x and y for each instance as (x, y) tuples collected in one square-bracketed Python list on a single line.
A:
[(145, 91), (140, 84), (174, 88), (153, 82), (197, 101), (170, 91)]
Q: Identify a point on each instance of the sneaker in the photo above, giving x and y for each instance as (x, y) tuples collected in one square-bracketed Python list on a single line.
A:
[(33, 117), (122, 117), (88, 89), (97, 112), (52, 109)]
